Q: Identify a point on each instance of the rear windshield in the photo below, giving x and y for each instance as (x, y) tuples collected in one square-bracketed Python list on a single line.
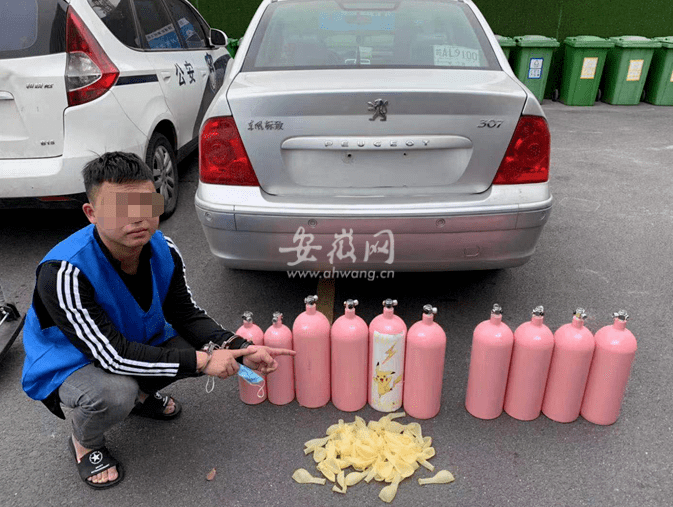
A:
[(322, 34), (31, 27)]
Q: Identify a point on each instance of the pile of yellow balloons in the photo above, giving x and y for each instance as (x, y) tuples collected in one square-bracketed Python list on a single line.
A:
[(383, 450)]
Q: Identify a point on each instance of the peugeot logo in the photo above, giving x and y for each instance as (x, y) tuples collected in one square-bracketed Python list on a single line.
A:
[(96, 457), (380, 107)]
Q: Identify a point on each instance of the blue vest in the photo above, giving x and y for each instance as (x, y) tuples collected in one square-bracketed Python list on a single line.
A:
[(50, 357)]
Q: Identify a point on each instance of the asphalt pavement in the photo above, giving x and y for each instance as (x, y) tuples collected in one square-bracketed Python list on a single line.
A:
[(606, 246)]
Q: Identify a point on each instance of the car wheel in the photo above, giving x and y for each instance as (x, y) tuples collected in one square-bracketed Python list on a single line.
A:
[(555, 95), (164, 165)]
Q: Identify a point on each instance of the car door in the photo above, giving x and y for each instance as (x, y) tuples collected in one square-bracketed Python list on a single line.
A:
[(209, 61), (181, 74)]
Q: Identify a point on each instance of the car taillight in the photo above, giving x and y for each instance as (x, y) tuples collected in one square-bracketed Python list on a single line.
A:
[(222, 156), (527, 157), (89, 73)]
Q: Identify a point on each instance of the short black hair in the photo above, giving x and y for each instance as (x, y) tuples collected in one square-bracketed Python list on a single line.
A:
[(114, 167)]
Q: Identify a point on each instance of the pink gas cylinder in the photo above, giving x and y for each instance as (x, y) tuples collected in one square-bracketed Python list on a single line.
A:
[(312, 363), (387, 342), (573, 349), (531, 357), (492, 343), (280, 383), (350, 347), (424, 366), (609, 373), (250, 394)]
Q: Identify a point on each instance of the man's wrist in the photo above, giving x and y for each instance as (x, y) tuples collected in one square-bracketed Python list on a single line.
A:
[(201, 361), (236, 342)]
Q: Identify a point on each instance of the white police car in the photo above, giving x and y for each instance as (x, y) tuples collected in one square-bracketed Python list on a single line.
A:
[(82, 77)]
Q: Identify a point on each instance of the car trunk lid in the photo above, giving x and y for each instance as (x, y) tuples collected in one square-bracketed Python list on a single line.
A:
[(32, 84), (32, 101), (366, 132)]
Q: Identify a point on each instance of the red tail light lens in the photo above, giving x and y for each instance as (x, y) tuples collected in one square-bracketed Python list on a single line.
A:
[(89, 72), (222, 156), (527, 157)]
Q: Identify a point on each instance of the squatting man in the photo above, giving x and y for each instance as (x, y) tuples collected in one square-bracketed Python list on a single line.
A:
[(113, 321)]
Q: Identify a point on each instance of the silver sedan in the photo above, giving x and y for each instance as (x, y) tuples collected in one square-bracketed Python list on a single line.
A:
[(372, 135)]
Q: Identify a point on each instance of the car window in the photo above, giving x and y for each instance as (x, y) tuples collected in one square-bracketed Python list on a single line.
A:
[(31, 27), (18, 24), (400, 33), (117, 16), (157, 26), (190, 28)]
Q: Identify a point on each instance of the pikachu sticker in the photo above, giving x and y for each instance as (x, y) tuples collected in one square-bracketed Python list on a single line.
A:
[(383, 380), (387, 371)]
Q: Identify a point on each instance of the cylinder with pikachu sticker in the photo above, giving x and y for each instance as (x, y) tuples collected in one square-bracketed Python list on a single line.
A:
[(387, 341)]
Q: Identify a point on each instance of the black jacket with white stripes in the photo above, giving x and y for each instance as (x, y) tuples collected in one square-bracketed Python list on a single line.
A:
[(179, 308)]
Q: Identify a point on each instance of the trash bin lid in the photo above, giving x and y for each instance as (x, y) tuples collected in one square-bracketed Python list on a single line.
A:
[(536, 41), (666, 42), (588, 41), (505, 42), (635, 41)]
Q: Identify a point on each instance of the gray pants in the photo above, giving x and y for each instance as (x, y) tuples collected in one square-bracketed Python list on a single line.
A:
[(100, 399)]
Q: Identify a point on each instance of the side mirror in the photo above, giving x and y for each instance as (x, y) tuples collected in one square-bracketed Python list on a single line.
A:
[(218, 37)]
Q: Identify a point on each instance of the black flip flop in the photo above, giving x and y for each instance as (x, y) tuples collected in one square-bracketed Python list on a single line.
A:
[(95, 462), (154, 406)]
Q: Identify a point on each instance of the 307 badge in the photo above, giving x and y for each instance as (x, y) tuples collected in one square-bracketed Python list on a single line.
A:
[(490, 124)]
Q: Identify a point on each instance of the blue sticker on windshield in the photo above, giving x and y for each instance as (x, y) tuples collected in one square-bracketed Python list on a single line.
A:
[(360, 20)]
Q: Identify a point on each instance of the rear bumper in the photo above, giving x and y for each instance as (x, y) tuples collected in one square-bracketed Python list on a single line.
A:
[(490, 231), (41, 177), (71, 201)]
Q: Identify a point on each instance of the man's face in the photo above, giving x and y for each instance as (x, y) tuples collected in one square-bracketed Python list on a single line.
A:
[(126, 214)]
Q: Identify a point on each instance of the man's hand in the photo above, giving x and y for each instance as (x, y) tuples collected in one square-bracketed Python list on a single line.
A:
[(223, 363), (261, 358)]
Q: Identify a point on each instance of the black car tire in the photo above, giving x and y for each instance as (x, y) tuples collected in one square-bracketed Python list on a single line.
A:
[(162, 161)]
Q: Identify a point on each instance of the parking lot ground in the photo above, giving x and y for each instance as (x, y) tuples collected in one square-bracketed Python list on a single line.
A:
[(606, 246)]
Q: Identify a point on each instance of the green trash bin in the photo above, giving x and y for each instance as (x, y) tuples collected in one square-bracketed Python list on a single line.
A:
[(626, 68), (531, 60), (583, 62), (506, 43), (659, 84)]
